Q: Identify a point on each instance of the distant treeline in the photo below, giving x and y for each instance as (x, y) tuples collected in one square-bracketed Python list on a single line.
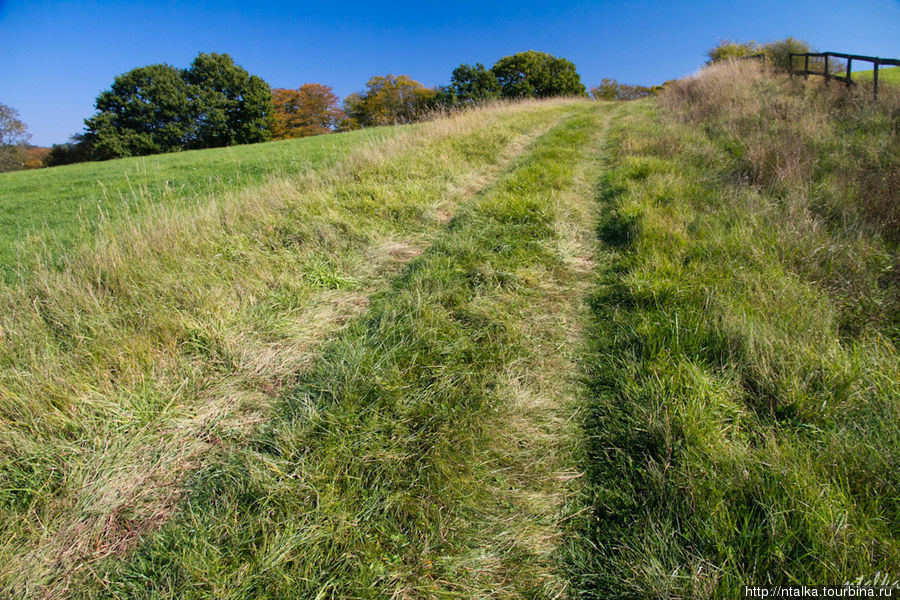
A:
[(215, 102)]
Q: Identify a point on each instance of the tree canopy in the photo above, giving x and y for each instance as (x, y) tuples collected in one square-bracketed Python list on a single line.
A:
[(537, 74), (146, 111), (160, 108), (388, 100), (13, 137), (312, 109), (229, 106), (470, 85)]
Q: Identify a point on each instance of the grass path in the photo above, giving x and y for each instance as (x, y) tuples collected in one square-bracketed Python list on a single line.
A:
[(420, 456), (163, 350)]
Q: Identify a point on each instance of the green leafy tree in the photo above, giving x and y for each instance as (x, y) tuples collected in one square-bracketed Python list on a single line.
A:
[(470, 85), (160, 108), (229, 106), (13, 139), (146, 111), (537, 74), (607, 90), (76, 150), (388, 100)]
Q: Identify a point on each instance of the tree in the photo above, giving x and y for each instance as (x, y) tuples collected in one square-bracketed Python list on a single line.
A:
[(36, 157), (607, 90), (312, 109), (537, 74), (146, 111), (229, 106), (13, 137), (389, 100), (76, 150), (159, 108), (470, 85)]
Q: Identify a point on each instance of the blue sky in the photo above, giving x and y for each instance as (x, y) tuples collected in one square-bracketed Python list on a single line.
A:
[(55, 57)]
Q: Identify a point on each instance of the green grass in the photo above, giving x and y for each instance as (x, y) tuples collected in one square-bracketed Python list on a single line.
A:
[(373, 375), (151, 362), (375, 475), (740, 422), (48, 211), (885, 75)]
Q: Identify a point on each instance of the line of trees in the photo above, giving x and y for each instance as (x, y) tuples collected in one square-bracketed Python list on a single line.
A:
[(216, 102)]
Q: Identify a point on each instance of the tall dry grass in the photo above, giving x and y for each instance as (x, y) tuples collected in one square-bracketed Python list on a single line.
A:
[(788, 133)]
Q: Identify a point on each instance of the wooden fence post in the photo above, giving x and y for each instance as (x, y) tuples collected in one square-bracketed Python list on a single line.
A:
[(849, 80), (826, 69), (806, 66), (875, 79)]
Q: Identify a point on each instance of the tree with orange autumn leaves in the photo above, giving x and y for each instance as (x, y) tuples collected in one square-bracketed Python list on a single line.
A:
[(312, 109)]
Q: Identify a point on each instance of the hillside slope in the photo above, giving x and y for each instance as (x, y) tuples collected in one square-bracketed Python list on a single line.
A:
[(43, 212), (175, 346), (538, 350), (741, 419)]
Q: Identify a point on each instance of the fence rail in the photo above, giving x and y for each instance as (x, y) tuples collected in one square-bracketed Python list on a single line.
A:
[(826, 71)]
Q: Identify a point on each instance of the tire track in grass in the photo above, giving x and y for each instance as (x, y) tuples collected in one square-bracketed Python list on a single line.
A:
[(377, 477), (129, 484)]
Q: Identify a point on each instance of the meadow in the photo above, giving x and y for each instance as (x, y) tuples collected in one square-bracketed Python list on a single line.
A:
[(45, 211), (885, 74), (542, 349)]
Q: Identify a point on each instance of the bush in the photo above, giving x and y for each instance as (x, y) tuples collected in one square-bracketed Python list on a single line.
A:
[(730, 50)]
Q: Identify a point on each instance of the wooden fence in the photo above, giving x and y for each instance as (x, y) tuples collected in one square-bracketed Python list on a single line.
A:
[(827, 72)]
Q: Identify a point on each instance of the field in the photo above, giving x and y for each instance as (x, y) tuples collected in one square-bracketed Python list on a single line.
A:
[(546, 349), (885, 75), (45, 211)]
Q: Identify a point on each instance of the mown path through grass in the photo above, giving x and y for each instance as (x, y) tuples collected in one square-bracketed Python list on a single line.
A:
[(162, 352), (421, 455)]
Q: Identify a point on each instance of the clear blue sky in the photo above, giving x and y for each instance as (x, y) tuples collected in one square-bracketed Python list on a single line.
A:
[(56, 56)]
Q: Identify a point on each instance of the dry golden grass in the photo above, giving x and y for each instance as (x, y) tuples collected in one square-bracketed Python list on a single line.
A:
[(783, 125)]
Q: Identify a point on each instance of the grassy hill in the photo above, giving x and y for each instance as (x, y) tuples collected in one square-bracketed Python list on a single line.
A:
[(885, 75), (47, 210), (563, 347)]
